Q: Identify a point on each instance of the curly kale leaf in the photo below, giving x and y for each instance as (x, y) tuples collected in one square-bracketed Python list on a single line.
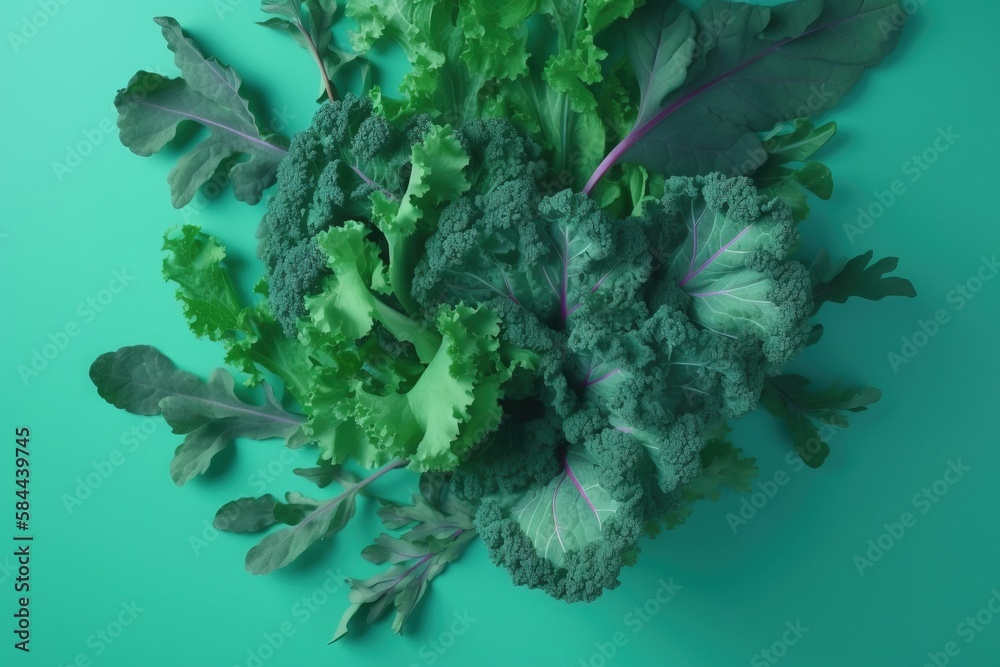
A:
[(734, 263), (330, 175)]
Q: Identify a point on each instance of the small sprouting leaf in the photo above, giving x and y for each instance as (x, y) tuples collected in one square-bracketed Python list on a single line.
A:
[(787, 171), (327, 473), (151, 107)]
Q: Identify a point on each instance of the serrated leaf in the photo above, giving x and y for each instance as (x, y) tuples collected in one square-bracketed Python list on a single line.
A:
[(803, 412), (151, 107), (443, 528), (855, 278), (195, 262), (722, 466)]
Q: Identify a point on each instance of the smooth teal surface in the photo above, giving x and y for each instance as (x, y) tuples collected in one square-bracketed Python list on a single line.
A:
[(138, 548)]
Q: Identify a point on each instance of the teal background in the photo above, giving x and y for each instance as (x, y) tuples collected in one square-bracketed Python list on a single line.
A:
[(139, 540)]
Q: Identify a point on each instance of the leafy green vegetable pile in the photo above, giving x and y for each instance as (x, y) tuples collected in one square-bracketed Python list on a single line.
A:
[(545, 277)]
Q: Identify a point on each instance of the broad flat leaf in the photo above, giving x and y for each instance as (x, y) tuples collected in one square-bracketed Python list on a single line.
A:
[(855, 278), (209, 414), (787, 398), (152, 106), (246, 515), (569, 512), (660, 50), (760, 66), (441, 528), (136, 378)]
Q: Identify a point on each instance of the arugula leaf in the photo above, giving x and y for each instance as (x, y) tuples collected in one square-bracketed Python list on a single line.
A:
[(308, 521), (441, 528), (324, 474), (141, 380), (151, 107), (760, 66), (856, 278), (569, 512), (786, 397), (311, 28)]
